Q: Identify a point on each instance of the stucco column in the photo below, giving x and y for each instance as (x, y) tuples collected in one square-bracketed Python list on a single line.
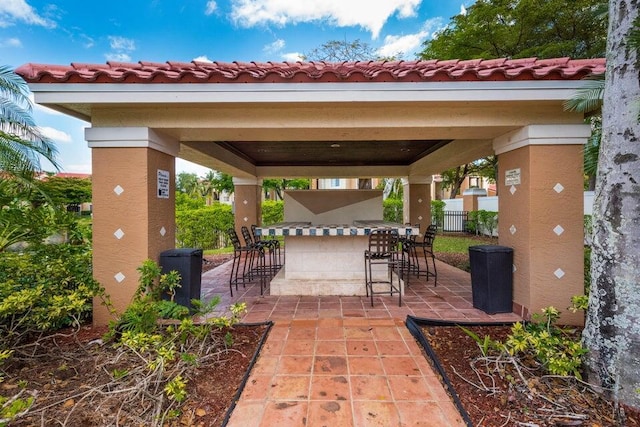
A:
[(133, 184), (247, 205), (416, 195), (470, 198), (541, 214)]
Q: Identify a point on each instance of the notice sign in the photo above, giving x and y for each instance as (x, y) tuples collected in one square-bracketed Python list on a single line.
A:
[(163, 184), (512, 177)]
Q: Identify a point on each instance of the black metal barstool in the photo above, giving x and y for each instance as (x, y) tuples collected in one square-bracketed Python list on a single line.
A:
[(411, 263), (273, 246), (427, 248), (257, 259), (383, 250), (240, 256)]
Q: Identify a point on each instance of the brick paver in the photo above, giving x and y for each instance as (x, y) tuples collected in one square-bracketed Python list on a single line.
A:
[(337, 361)]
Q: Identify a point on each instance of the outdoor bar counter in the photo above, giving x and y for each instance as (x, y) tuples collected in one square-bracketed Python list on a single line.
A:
[(325, 259)]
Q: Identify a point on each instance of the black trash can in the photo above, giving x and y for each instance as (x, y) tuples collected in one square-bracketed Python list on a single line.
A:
[(187, 262), (492, 278)]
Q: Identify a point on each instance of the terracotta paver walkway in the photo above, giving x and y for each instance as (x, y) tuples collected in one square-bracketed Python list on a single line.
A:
[(337, 361)]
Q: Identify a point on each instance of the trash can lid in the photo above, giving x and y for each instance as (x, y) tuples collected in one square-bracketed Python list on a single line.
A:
[(181, 252), (490, 248)]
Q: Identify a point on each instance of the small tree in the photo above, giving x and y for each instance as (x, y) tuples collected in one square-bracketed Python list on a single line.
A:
[(341, 50)]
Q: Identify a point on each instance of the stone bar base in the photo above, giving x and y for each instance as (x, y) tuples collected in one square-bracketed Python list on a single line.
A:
[(325, 265), (280, 285)]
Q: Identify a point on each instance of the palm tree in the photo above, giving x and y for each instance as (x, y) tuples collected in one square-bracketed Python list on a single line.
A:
[(588, 100), (21, 143)]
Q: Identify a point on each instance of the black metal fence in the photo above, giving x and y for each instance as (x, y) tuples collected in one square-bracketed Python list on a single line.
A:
[(452, 221)]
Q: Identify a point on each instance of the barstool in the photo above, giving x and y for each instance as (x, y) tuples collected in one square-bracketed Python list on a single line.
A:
[(383, 250)]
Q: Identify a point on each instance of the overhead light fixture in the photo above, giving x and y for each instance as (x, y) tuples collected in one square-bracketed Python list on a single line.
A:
[(335, 145)]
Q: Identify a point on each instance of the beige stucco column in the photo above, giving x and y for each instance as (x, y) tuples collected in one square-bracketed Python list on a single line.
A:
[(470, 198), (133, 181), (416, 195), (247, 206), (541, 214)]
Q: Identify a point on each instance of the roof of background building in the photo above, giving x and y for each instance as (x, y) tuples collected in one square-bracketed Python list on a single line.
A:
[(310, 72)]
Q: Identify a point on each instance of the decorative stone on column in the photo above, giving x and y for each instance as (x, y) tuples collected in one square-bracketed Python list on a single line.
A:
[(247, 205), (541, 215), (417, 201), (133, 181)]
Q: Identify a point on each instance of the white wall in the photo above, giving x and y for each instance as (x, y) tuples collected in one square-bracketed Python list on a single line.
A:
[(488, 203), (491, 203)]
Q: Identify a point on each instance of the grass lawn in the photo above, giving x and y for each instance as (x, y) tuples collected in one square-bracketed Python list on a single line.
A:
[(459, 243), (453, 249)]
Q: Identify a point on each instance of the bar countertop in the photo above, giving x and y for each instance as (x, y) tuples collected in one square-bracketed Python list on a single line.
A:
[(357, 228)]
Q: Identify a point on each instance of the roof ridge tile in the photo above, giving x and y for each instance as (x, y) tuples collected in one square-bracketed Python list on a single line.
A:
[(314, 71)]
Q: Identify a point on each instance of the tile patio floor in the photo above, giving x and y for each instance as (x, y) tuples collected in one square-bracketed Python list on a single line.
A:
[(337, 361)]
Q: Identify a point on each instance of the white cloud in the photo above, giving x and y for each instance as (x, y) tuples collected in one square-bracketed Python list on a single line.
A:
[(406, 46), (274, 47), (118, 57), (370, 15), (122, 43), (18, 10), (11, 42), (202, 58), (121, 47), (55, 134), (463, 10), (211, 7), (292, 56)]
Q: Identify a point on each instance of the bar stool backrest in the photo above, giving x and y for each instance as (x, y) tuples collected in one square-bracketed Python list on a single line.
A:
[(429, 237), (246, 234), (235, 241), (383, 242)]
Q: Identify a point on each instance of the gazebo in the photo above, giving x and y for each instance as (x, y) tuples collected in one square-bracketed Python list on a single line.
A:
[(405, 119)]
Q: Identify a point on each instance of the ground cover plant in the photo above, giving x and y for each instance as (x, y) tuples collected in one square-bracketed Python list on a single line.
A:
[(501, 384), (155, 365)]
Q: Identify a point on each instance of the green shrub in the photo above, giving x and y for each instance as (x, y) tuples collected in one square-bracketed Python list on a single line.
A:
[(169, 352), (392, 210), (482, 222), (558, 350), (203, 228), (44, 288), (437, 213), (187, 202), (272, 212)]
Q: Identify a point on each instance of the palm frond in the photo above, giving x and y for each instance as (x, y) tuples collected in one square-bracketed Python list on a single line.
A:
[(589, 97), (14, 88), (21, 142)]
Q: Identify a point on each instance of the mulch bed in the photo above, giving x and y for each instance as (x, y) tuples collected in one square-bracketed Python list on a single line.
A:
[(544, 401), (61, 369)]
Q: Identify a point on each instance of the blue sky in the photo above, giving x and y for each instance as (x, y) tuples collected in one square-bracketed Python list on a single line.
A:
[(61, 32)]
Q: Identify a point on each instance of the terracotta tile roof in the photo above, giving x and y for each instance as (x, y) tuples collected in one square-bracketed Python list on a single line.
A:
[(308, 72)]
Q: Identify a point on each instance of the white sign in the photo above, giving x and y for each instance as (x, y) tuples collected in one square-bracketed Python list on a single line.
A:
[(163, 184), (512, 177)]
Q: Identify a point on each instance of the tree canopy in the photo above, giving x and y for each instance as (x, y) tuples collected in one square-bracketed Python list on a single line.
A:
[(521, 29), (341, 50), (67, 191)]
